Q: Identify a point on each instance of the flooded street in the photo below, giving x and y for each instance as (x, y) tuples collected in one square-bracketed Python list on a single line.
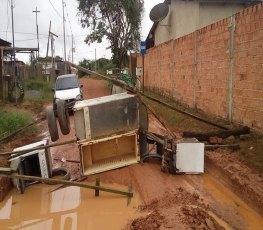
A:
[(161, 201), (68, 208)]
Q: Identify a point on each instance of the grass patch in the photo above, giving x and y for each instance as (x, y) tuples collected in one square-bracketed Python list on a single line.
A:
[(251, 146), (37, 90), (177, 120), (11, 121), (251, 150)]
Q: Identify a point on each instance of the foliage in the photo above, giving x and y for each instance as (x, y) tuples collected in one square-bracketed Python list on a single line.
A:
[(38, 90), (116, 20), (102, 64), (11, 121), (85, 63), (32, 59)]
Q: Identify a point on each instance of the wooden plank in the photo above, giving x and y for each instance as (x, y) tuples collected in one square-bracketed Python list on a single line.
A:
[(70, 183), (21, 152)]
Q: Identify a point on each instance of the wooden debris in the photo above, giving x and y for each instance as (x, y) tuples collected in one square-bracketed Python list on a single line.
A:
[(221, 134), (70, 183)]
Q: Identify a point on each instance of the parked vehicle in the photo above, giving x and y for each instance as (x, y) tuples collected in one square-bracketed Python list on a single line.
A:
[(67, 88)]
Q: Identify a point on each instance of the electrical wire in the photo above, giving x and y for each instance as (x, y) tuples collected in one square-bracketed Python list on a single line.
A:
[(3, 31), (30, 39), (55, 9), (68, 18), (7, 16)]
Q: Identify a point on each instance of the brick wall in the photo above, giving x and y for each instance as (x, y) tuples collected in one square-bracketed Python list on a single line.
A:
[(218, 69)]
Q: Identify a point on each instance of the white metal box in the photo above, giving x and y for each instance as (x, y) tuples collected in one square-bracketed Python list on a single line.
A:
[(32, 163), (108, 153), (104, 116), (190, 158)]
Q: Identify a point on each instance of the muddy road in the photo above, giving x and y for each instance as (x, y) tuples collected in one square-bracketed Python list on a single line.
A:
[(161, 201)]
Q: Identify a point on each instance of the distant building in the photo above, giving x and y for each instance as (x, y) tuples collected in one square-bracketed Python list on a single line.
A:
[(48, 64)]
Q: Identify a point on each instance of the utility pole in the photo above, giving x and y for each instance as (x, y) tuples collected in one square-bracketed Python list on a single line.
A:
[(63, 4), (13, 51), (73, 50), (37, 11), (95, 61), (52, 47), (47, 47)]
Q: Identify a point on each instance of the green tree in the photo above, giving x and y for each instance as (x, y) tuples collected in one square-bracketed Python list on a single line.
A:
[(85, 63), (116, 20), (32, 59)]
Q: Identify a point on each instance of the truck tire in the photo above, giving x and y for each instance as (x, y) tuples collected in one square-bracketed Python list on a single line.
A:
[(63, 174), (63, 117), (16, 92), (52, 124)]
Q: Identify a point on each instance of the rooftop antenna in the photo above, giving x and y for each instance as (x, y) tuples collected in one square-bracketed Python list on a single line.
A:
[(159, 12)]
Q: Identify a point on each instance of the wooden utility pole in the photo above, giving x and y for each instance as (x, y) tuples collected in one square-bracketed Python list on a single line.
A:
[(37, 11), (1, 74), (65, 55)]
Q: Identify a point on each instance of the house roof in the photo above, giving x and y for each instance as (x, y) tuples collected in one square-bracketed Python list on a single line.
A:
[(4, 43)]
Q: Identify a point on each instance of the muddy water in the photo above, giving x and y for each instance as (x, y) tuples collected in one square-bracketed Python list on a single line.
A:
[(230, 201), (68, 208)]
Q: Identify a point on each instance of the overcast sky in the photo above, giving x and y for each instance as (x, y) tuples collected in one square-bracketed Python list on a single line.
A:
[(51, 10)]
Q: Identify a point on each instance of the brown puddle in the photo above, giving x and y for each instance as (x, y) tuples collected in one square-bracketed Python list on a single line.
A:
[(67, 208), (224, 196)]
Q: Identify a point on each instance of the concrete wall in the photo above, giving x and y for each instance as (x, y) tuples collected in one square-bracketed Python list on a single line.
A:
[(187, 16), (218, 69)]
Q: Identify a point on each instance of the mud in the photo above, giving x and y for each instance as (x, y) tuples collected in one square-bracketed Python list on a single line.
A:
[(40, 208), (209, 201)]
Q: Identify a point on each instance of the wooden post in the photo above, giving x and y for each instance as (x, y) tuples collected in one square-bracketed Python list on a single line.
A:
[(1, 75), (97, 191)]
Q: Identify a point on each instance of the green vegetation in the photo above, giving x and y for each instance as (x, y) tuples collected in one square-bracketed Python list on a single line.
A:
[(117, 21), (101, 65), (251, 150), (37, 90), (11, 121), (251, 146)]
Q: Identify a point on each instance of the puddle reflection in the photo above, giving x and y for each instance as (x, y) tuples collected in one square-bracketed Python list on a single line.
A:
[(67, 208)]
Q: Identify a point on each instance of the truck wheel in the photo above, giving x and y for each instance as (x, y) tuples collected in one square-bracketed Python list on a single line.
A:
[(63, 117), (52, 124), (59, 173), (16, 92)]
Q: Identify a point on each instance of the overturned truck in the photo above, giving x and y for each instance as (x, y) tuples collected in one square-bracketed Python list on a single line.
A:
[(112, 132)]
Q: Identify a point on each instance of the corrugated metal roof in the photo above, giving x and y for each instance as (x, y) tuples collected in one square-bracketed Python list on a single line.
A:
[(4, 43)]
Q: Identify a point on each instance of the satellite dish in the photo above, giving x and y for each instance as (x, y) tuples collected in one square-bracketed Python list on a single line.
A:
[(159, 12)]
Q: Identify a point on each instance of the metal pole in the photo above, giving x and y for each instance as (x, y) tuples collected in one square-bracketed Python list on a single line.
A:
[(65, 67), (13, 51)]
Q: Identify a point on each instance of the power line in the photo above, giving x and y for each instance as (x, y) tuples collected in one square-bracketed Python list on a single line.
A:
[(60, 35), (30, 39), (3, 31), (7, 16), (55, 9), (68, 19)]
